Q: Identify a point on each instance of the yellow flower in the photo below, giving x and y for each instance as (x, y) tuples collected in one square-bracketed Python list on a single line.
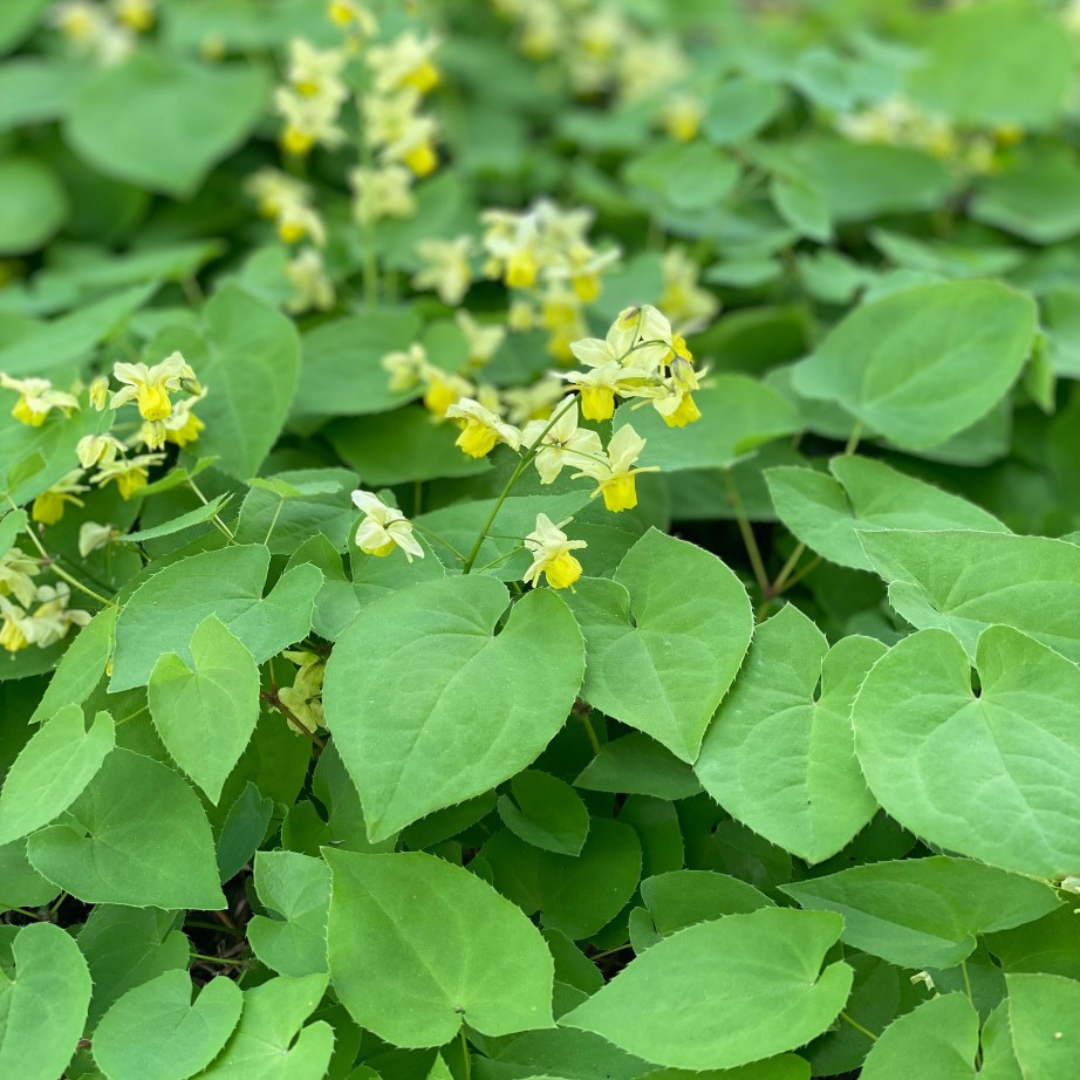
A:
[(481, 341), (615, 474), (384, 528), (551, 554), (184, 426), (52, 620), (94, 450), (138, 14), (16, 631), (93, 537), (443, 389), (348, 13), (447, 271), (37, 399), (405, 62), (406, 368), (316, 72), (131, 475), (521, 269), (562, 444), (17, 571), (99, 392), (49, 506), (682, 116), (382, 193), (481, 428), (296, 221), (312, 285), (151, 386), (678, 410)]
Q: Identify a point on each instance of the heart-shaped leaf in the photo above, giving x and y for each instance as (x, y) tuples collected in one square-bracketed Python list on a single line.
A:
[(487, 705), (990, 773), (156, 1032), (660, 655)]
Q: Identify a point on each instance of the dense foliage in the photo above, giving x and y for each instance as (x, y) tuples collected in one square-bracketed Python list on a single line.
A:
[(538, 539)]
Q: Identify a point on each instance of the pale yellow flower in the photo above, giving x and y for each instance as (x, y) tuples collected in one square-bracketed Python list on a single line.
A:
[(563, 444), (150, 386), (37, 398), (447, 270), (481, 428), (384, 528), (550, 550), (49, 506)]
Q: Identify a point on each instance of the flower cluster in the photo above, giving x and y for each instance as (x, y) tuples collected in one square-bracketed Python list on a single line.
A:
[(641, 359), (605, 52), (304, 698), (897, 121), (545, 256), (106, 32), (162, 421), (32, 613)]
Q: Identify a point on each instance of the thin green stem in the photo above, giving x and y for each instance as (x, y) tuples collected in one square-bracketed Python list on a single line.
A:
[(216, 960), (858, 1027), (368, 232), (218, 523), (61, 573), (853, 440), (967, 980), (777, 586), (435, 536), (747, 532), (809, 568), (465, 1056), (522, 465), (591, 732), (273, 522)]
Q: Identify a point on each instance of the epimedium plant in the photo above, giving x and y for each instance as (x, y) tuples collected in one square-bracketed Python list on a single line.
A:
[(437, 641)]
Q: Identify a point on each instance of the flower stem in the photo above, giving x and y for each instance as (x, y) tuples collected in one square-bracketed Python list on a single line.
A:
[(858, 1027), (747, 532)]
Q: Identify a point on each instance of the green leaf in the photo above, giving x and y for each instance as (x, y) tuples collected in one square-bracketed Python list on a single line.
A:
[(134, 121), (922, 365), (321, 504), (987, 774), (81, 668), (737, 414), (163, 613), (831, 515), (800, 203), (342, 374), (779, 757), (1035, 200), (295, 889), (250, 364), (862, 180), (197, 516), (156, 1031), (739, 108), (1042, 1014), (638, 765), (17, 19), (1006, 62), (659, 656), (681, 898), (52, 771), (137, 835), (126, 947), (400, 447), (205, 713), (689, 176), (924, 913), (940, 1038), (43, 1003), (407, 960), (33, 205), (1031, 583), (761, 972), (484, 710), (271, 1041), (544, 811), (578, 896)]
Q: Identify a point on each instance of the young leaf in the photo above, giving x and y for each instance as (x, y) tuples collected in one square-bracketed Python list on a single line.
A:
[(760, 972), (779, 758), (156, 1031), (43, 1003), (484, 710), (137, 835), (408, 961), (296, 890), (638, 765), (205, 714), (659, 656), (545, 812), (52, 771), (987, 774)]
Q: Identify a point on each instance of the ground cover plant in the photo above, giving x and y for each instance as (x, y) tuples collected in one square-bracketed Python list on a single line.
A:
[(539, 540)]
